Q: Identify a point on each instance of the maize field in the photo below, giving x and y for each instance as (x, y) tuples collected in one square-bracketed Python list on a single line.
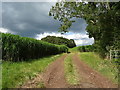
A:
[(16, 48)]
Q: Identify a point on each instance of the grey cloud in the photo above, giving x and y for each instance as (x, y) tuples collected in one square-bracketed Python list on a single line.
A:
[(0, 14), (79, 26), (28, 19)]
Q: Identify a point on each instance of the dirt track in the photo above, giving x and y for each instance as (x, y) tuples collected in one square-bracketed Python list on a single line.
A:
[(53, 76)]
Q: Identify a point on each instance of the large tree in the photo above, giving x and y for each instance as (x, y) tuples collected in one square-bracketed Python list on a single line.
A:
[(103, 19)]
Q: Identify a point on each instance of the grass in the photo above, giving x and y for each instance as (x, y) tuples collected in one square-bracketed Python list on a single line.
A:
[(75, 49), (105, 67), (40, 85), (0, 74), (16, 73), (71, 74)]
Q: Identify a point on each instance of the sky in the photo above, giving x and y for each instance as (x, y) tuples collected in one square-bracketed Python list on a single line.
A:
[(31, 19)]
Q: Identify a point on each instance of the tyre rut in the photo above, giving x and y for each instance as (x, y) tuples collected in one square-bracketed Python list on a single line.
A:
[(53, 77)]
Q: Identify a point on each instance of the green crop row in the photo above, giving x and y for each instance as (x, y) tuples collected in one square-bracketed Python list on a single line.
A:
[(16, 48)]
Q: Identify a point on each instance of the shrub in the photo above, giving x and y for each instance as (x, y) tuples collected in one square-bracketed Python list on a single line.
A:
[(87, 48)]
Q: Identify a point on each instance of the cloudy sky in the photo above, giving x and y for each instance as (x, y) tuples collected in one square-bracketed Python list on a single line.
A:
[(32, 20)]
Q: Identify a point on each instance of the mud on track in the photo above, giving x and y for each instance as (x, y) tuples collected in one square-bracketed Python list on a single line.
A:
[(90, 78)]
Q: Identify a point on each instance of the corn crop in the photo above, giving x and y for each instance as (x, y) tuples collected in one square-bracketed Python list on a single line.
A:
[(16, 48)]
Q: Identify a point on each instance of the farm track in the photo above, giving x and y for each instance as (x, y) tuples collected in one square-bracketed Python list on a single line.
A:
[(53, 76)]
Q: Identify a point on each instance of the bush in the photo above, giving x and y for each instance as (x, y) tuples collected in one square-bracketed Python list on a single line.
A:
[(87, 48)]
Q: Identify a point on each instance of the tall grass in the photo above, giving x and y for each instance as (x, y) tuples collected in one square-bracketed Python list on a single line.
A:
[(15, 74)]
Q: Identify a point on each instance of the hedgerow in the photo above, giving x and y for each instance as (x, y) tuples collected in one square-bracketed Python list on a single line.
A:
[(16, 48), (87, 48)]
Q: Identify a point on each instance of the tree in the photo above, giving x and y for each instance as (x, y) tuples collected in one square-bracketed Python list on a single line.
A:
[(60, 41), (102, 19)]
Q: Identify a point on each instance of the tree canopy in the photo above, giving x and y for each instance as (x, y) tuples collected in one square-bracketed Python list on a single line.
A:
[(60, 41), (103, 19)]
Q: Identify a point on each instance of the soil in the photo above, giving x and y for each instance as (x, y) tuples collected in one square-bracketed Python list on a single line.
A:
[(53, 76)]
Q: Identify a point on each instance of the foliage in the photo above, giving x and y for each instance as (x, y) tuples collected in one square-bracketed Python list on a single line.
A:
[(60, 41), (16, 48), (105, 67), (103, 20), (87, 48), (15, 74)]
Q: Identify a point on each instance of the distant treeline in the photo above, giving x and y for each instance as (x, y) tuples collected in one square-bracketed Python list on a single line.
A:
[(87, 48), (16, 48), (60, 41)]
